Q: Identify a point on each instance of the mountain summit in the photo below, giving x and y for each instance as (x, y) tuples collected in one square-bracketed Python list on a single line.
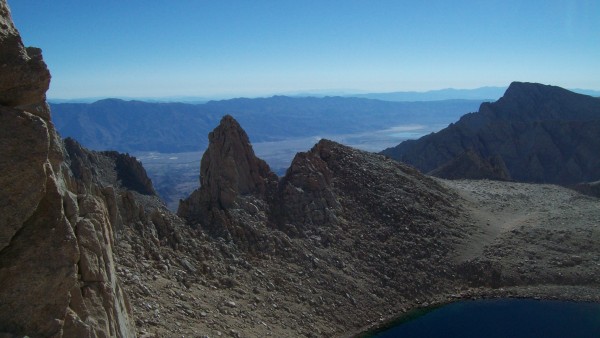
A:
[(540, 133)]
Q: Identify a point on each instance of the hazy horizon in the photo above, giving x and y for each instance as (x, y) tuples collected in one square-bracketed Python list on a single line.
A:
[(230, 49), (307, 93), (299, 93)]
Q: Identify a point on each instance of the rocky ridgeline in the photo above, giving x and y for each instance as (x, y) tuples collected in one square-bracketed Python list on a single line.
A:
[(237, 187), (359, 230), (345, 240), (534, 133)]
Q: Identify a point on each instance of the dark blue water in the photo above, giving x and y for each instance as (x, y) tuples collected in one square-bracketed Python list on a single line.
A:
[(514, 318)]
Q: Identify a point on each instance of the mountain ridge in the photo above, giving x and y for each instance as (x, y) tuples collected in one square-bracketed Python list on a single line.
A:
[(480, 93), (130, 126), (534, 128)]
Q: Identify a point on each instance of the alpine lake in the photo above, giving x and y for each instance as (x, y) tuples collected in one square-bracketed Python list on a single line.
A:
[(499, 318)]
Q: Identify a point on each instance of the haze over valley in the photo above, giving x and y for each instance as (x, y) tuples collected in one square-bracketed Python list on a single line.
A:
[(169, 138)]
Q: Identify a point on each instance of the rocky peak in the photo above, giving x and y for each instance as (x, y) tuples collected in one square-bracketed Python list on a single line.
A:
[(25, 77), (119, 170), (306, 193), (533, 91), (231, 178), (534, 133), (524, 101), (130, 173), (230, 168)]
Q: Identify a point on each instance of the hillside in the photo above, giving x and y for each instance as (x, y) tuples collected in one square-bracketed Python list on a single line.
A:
[(539, 133), (362, 239)]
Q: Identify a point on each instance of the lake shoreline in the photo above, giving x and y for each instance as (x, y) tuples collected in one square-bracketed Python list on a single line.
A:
[(540, 292)]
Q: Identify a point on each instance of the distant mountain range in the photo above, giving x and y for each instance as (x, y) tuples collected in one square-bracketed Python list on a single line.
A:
[(483, 94), (534, 133), (488, 93), (133, 126)]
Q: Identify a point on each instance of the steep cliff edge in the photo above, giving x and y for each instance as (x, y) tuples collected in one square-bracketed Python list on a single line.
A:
[(543, 134), (57, 271)]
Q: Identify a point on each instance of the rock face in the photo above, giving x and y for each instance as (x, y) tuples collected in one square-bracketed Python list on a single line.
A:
[(306, 195), (57, 270), (541, 133), (229, 167), (231, 176), (25, 77)]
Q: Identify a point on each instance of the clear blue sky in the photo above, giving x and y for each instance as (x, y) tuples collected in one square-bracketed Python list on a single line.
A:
[(151, 48)]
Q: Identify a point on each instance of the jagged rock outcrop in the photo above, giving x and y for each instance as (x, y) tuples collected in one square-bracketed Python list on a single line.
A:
[(57, 274), (232, 177), (25, 77), (306, 198), (130, 174), (57, 270), (542, 134), (229, 167), (236, 184)]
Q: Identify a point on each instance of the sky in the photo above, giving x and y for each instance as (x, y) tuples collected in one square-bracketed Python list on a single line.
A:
[(152, 48)]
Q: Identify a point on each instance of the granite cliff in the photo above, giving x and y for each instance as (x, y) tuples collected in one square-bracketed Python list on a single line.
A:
[(57, 269), (539, 133)]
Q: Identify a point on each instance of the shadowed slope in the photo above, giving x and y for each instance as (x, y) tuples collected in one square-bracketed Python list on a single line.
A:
[(542, 134)]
